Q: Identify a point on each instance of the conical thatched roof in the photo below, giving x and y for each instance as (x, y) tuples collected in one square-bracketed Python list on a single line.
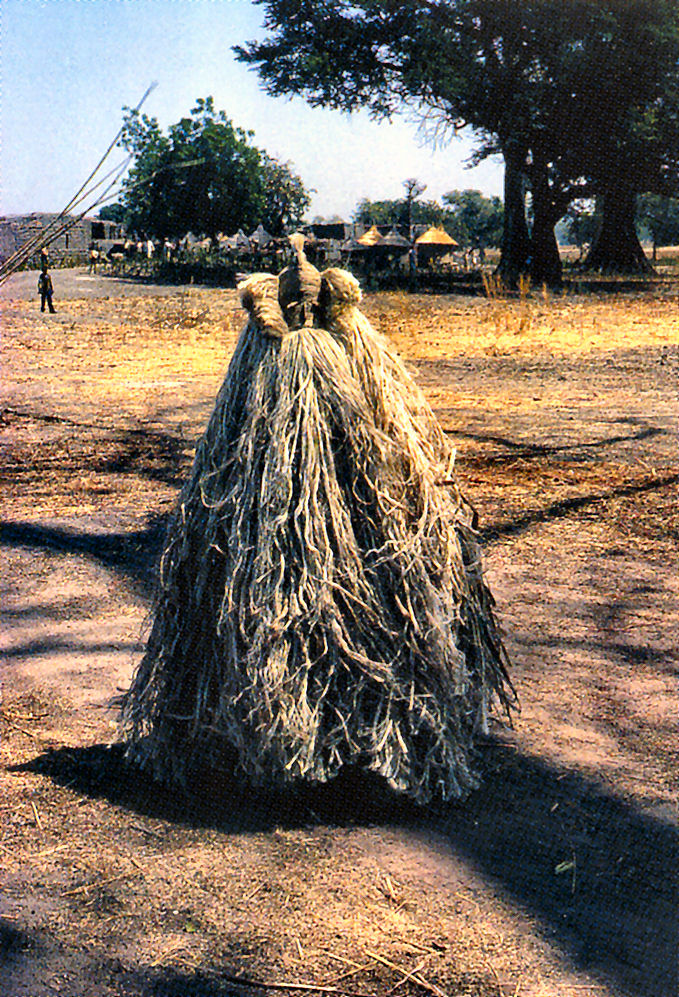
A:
[(352, 246), (372, 237), (435, 236), (240, 240), (395, 239), (261, 237)]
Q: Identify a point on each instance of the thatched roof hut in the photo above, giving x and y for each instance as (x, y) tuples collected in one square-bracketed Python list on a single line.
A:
[(395, 240), (239, 242), (353, 246), (260, 238), (372, 237), (433, 244), (436, 236), (377, 250)]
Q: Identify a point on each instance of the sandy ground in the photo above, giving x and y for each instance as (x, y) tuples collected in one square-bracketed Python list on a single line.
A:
[(557, 878)]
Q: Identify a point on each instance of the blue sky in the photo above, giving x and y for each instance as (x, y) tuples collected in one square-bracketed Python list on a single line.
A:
[(69, 66)]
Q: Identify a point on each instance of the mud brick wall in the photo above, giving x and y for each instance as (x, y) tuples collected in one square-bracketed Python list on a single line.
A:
[(16, 230)]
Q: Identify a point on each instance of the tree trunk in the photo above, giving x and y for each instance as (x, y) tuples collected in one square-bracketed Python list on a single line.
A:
[(545, 263), (617, 248), (515, 240)]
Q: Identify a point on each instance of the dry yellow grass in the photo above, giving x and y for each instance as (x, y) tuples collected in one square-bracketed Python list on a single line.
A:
[(195, 332), (142, 358), (539, 324)]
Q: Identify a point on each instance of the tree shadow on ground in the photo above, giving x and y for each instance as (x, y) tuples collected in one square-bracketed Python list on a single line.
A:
[(565, 507), (132, 554), (56, 645), (13, 941), (598, 874), (145, 452), (522, 449), (224, 981)]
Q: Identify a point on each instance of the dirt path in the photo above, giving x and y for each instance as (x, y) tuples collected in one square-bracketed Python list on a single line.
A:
[(557, 878), (77, 283)]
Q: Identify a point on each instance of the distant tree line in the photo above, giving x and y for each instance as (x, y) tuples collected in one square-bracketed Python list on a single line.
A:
[(205, 176), (580, 98), (468, 216)]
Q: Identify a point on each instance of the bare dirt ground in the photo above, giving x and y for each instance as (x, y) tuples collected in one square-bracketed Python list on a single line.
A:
[(557, 878)]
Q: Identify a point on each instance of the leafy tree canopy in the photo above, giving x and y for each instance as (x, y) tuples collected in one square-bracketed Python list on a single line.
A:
[(478, 219), (113, 213), (205, 176), (542, 74), (576, 95), (395, 212), (285, 198)]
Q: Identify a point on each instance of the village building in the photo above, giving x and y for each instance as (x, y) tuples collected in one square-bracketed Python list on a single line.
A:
[(433, 244), (72, 236)]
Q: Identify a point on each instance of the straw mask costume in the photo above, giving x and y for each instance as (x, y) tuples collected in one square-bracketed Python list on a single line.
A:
[(321, 600)]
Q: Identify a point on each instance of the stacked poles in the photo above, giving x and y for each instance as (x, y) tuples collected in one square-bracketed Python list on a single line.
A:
[(62, 223)]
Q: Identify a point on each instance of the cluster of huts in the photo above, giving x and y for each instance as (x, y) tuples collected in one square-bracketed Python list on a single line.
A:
[(373, 248), (377, 247)]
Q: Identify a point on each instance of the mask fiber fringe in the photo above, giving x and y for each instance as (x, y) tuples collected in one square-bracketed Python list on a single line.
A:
[(320, 599)]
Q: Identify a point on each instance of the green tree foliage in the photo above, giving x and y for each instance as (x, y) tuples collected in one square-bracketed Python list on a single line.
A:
[(658, 219), (369, 212), (285, 198), (395, 212), (457, 63), (205, 176), (113, 213), (404, 212), (479, 220), (565, 90), (436, 57)]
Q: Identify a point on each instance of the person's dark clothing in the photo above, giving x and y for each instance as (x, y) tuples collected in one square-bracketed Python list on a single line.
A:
[(45, 290)]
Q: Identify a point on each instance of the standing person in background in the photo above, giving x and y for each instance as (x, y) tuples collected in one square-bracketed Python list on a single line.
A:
[(45, 289), (94, 258)]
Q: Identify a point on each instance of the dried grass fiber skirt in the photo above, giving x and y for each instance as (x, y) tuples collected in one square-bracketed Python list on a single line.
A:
[(320, 598)]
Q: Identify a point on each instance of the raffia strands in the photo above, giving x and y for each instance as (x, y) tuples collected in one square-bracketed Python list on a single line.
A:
[(402, 411), (320, 598)]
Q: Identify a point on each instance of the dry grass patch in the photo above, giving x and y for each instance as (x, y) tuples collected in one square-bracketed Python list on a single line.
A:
[(438, 328)]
